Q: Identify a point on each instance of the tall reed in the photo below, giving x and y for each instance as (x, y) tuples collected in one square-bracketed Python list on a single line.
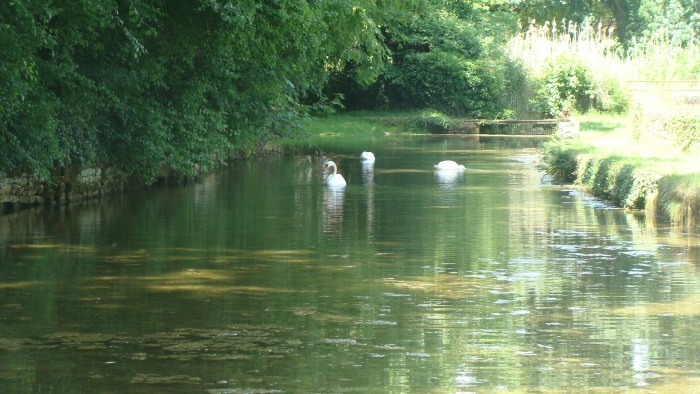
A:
[(653, 58)]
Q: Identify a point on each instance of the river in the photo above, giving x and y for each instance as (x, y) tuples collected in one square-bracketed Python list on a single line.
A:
[(259, 279)]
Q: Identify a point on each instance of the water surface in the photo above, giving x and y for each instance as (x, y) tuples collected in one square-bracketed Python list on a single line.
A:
[(261, 279)]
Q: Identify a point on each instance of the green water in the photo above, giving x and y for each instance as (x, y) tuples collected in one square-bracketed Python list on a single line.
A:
[(259, 279)]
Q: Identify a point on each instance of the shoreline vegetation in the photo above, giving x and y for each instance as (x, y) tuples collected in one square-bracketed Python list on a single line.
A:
[(105, 97), (605, 159), (640, 146), (647, 171)]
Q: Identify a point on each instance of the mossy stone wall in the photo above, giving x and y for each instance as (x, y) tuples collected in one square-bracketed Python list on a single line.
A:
[(67, 185)]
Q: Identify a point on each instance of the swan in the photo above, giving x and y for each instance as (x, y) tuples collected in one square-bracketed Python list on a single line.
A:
[(448, 165), (367, 156), (333, 179)]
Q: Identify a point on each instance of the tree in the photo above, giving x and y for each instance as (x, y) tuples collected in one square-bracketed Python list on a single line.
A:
[(148, 85), (445, 57)]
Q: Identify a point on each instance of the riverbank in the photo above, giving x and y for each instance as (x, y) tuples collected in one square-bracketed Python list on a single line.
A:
[(612, 160), (427, 122), (621, 159), (78, 184), (608, 159)]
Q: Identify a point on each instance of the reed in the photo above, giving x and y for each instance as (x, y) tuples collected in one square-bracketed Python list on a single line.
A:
[(653, 58)]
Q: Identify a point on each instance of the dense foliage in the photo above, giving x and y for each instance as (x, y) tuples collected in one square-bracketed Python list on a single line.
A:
[(149, 85), (447, 58), (566, 83), (630, 20)]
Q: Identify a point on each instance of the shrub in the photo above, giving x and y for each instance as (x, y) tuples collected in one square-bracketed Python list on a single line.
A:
[(611, 97), (685, 129), (565, 82), (558, 160)]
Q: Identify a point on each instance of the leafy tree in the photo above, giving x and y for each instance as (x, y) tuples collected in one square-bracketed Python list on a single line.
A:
[(442, 60), (154, 85), (678, 19)]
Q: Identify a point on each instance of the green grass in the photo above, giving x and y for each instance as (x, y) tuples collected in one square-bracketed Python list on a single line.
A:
[(604, 135), (368, 123)]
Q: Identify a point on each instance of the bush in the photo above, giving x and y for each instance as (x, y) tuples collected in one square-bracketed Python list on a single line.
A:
[(565, 82), (607, 177), (611, 97), (685, 129), (558, 160), (441, 61)]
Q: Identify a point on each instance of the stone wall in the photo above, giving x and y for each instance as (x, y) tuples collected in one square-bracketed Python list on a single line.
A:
[(72, 184)]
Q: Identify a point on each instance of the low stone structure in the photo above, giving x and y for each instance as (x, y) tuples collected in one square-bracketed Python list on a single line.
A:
[(67, 185)]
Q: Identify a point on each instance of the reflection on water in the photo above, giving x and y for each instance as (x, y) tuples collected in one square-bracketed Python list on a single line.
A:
[(368, 182), (448, 178), (261, 279), (333, 200), (367, 173)]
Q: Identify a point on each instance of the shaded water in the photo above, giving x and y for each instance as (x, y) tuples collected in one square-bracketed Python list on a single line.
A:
[(260, 279)]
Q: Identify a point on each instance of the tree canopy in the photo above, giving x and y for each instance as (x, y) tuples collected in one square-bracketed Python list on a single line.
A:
[(148, 84)]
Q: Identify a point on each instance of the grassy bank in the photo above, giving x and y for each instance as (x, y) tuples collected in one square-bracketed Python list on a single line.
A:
[(651, 173), (378, 122)]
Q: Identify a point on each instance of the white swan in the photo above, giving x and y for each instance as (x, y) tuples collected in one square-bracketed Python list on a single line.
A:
[(448, 165), (333, 179), (367, 156)]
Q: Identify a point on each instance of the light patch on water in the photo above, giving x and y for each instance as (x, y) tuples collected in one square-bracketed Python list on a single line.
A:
[(340, 341), (442, 284), (137, 255), (520, 312), (638, 253), (20, 285), (525, 353), (378, 323), (389, 346), (672, 263), (420, 355), (569, 233), (188, 275), (678, 381), (163, 379), (403, 171), (68, 248), (636, 272), (204, 282), (689, 306)]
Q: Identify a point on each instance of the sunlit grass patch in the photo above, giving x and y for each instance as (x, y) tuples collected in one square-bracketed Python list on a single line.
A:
[(354, 123), (377, 123)]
